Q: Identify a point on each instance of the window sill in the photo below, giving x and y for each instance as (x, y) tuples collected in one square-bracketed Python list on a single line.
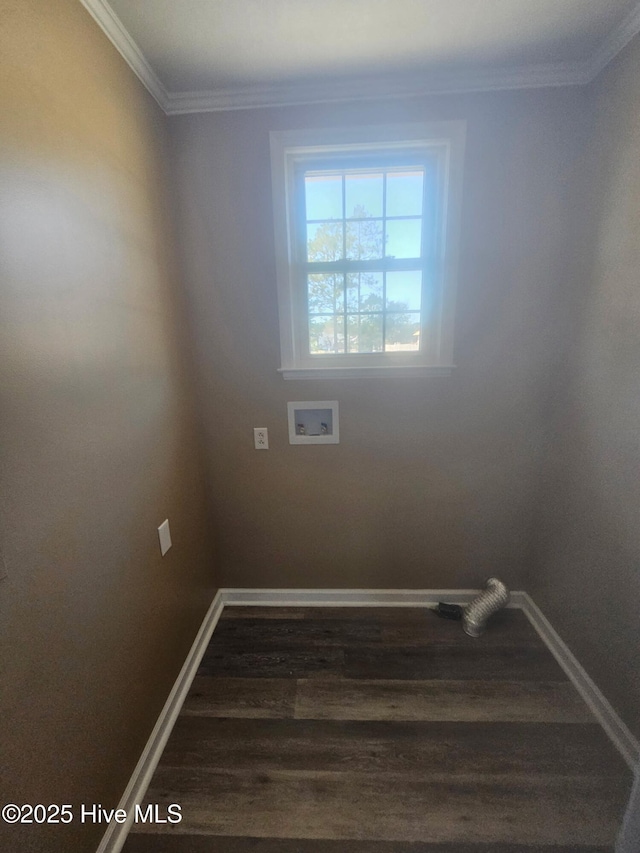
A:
[(416, 371)]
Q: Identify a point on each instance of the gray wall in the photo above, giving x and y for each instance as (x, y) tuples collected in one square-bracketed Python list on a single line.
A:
[(433, 483), (586, 568), (523, 463), (97, 432)]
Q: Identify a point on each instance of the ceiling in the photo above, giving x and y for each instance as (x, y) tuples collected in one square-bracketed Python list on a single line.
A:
[(227, 54)]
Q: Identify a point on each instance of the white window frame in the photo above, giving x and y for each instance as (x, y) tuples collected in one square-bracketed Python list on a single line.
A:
[(291, 149)]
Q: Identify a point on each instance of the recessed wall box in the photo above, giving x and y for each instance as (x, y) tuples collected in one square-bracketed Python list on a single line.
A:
[(314, 422)]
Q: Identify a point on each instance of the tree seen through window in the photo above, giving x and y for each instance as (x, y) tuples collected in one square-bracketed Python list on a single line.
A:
[(364, 261)]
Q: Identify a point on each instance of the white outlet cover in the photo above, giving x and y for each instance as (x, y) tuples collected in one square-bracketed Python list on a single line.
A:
[(261, 438), (164, 535)]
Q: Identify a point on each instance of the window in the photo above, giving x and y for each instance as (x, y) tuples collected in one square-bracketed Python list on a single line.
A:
[(366, 228)]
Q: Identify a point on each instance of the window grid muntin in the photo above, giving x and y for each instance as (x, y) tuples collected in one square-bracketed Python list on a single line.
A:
[(381, 265), (384, 311)]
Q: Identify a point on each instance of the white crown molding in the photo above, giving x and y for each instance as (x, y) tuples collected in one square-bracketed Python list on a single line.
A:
[(375, 88), (110, 24), (617, 39), (450, 82)]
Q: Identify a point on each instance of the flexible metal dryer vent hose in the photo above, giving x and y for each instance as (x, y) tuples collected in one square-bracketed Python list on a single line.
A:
[(494, 598)]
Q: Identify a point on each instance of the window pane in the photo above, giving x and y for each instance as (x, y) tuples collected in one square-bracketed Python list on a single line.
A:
[(404, 291), (363, 195), (323, 196), (325, 294), (326, 334), (404, 238), (364, 332), (404, 193), (364, 240), (324, 241), (402, 332), (364, 291)]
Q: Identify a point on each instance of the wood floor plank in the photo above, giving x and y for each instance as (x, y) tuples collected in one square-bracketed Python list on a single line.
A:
[(410, 748), (427, 627), (440, 699), (231, 612), (236, 658), (538, 810), (433, 661), (379, 615), (295, 632), (241, 697), (231, 660), (157, 843), (506, 628)]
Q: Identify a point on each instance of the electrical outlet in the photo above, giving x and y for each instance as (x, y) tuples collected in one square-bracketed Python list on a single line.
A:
[(261, 438)]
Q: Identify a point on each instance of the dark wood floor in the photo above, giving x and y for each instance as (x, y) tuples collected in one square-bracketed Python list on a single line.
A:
[(383, 730)]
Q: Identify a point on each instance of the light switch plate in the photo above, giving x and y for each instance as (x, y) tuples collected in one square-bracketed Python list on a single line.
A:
[(164, 535)]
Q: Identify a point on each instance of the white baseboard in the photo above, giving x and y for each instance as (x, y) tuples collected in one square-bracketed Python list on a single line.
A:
[(114, 838), (624, 741), (628, 840), (116, 834), (352, 597)]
